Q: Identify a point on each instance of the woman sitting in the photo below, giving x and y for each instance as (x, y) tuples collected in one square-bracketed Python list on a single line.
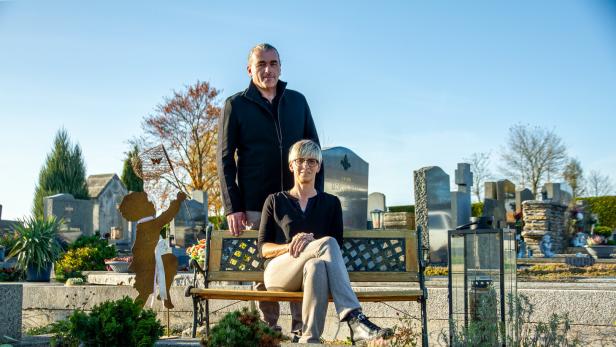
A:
[(301, 235)]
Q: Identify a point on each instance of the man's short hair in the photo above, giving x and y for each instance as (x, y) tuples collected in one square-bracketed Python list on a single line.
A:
[(305, 149), (262, 47)]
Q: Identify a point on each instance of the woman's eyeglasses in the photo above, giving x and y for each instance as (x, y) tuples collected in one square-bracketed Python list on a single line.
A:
[(310, 162)]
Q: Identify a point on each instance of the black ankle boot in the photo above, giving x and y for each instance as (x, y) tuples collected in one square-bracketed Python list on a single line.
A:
[(362, 329)]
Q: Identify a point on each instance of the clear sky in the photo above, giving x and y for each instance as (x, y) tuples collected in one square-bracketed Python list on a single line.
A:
[(404, 84)]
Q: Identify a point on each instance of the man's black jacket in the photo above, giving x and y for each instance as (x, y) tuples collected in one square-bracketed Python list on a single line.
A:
[(248, 126)]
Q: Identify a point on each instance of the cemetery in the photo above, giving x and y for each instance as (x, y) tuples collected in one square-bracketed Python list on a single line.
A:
[(433, 270)]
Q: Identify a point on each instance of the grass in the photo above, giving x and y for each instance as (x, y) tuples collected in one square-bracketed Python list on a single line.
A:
[(548, 272)]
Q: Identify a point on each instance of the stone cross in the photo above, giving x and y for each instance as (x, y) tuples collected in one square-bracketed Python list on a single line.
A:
[(461, 199)]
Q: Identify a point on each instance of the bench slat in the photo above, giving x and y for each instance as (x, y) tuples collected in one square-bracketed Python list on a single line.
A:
[(246, 295)]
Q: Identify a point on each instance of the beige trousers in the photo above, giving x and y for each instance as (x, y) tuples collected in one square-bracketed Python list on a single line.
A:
[(319, 271), (271, 310)]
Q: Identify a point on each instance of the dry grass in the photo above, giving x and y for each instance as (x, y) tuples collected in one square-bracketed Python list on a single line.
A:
[(548, 272)]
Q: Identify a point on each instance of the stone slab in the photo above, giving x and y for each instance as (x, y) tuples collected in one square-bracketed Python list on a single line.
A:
[(11, 298)]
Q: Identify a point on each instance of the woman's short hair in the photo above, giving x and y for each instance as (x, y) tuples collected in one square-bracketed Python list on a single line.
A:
[(305, 149)]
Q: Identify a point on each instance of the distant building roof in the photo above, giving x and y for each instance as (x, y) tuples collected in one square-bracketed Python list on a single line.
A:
[(98, 183)]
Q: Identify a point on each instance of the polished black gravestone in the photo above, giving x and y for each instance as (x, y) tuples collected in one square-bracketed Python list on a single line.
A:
[(346, 176)]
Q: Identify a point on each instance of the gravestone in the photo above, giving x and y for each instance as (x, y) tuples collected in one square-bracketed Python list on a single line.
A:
[(376, 201), (346, 176), (500, 202), (76, 213), (521, 196), (558, 193), (191, 218), (433, 210), (461, 199)]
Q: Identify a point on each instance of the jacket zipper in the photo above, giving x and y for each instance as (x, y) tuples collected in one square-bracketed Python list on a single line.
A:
[(279, 133)]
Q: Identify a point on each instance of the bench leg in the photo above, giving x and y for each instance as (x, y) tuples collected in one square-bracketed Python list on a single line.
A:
[(424, 322), (207, 318), (195, 319)]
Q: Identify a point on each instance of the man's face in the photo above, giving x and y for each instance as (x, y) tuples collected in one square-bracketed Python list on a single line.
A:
[(264, 69)]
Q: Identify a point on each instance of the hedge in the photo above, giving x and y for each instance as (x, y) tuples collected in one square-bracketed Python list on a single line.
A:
[(402, 208), (605, 209), (477, 209)]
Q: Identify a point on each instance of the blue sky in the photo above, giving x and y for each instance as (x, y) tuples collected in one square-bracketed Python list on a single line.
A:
[(404, 84)]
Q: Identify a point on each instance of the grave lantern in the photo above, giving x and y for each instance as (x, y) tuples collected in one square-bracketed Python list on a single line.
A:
[(377, 219), (482, 280)]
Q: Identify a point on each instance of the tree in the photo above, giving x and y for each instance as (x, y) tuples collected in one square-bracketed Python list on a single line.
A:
[(480, 167), (574, 175), (64, 171), (531, 154), (187, 125), (132, 182), (599, 184)]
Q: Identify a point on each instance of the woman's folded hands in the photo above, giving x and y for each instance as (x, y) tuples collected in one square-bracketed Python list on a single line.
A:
[(299, 242)]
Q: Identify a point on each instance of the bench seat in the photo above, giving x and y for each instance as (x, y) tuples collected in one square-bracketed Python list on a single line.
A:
[(247, 295)]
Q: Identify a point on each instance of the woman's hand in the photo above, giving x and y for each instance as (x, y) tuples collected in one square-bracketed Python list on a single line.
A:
[(299, 242)]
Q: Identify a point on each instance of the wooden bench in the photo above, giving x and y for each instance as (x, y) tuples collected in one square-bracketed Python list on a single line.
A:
[(370, 256)]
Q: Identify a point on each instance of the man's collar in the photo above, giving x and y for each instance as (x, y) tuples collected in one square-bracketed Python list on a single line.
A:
[(252, 92)]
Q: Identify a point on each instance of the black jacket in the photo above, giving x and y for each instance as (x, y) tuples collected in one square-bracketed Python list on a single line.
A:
[(248, 127)]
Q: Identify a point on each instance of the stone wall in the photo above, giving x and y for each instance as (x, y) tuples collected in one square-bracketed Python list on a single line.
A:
[(541, 218), (591, 306)]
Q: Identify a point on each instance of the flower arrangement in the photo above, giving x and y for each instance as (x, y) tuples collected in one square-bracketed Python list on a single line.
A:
[(600, 236), (197, 251)]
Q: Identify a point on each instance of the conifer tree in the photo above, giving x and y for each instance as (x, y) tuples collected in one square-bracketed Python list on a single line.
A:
[(64, 171), (132, 182)]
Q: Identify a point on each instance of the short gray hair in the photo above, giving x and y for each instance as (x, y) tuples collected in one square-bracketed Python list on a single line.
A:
[(262, 47), (305, 149)]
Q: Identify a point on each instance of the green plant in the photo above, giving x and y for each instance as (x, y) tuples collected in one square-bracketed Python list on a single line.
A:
[(63, 172), (242, 329), (37, 244), (10, 275), (130, 179), (8, 240), (116, 323), (603, 231), (483, 330), (605, 209), (61, 333), (87, 253), (477, 209), (402, 208), (74, 281)]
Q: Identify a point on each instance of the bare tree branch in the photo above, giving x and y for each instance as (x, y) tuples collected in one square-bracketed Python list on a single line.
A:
[(532, 154), (480, 166), (599, 184)]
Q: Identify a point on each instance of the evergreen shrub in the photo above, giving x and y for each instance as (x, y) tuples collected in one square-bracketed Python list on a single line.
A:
[(605, 209)]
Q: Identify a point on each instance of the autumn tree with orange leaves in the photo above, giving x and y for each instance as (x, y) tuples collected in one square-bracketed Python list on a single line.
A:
[(187, 125)]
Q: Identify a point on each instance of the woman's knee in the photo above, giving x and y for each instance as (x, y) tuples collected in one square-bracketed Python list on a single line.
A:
[(314, 265)]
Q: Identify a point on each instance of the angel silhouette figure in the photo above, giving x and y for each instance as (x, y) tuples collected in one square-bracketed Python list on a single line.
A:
[(153, 263)]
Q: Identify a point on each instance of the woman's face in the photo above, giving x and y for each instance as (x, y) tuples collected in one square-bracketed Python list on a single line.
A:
[(304, 169)]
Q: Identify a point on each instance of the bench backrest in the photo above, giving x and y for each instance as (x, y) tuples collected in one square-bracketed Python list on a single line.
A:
[(369, 255)]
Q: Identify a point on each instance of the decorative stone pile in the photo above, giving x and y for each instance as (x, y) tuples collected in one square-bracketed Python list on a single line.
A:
[(542, 218)]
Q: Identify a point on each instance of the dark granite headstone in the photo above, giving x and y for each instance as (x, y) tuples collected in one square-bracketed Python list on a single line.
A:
[(191, 217), (521, 196), (346, 176)]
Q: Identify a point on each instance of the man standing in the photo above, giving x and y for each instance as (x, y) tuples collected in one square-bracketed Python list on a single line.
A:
[(259, 125)]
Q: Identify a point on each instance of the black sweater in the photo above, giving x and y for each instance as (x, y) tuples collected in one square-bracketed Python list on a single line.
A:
[(282, 218)]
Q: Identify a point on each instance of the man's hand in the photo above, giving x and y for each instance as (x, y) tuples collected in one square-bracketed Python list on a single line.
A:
[(299, 242), (181, 196), (236, 221)]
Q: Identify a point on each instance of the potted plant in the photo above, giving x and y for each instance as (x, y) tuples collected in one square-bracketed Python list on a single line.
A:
[(598, 245), (37, 247)]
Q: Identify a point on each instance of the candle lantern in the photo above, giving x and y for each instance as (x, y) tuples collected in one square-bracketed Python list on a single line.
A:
[(482, 280)]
